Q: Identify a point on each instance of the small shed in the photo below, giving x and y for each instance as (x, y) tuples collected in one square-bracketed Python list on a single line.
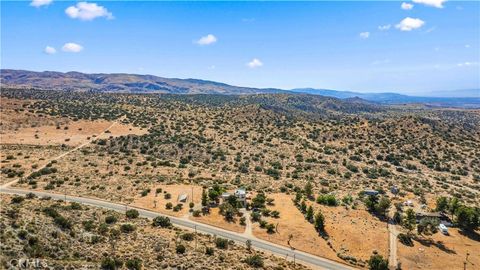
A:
[(182, 198)]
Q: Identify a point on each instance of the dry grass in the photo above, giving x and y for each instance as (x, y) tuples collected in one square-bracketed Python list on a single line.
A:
[(351, 232), (441, 252)]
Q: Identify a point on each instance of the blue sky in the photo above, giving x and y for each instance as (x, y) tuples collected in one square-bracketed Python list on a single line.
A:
[(334, 45)]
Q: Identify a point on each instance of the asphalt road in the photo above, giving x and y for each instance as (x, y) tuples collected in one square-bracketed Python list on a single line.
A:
[(278, 250)]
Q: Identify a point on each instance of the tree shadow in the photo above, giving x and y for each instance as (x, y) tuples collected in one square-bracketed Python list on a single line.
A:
[(473, 235), (439, 244)]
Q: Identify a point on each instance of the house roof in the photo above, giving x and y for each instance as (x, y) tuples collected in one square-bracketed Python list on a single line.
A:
[(240, 191)]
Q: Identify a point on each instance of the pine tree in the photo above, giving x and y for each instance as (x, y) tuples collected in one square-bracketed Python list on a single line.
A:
[(309, 215), (319, 222), (204, 198)]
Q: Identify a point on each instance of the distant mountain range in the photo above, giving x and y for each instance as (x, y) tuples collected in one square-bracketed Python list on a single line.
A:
[(120, 82), (468, 98), (134, 83)]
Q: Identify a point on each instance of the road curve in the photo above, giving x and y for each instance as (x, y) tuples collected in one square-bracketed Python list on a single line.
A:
[(285, 252)]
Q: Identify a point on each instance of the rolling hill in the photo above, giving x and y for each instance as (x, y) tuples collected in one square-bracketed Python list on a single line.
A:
[(135, 83)]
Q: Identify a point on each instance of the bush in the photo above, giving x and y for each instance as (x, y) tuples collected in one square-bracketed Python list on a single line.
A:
[(62, 222), (254, 261), (180, 249), (22, 234), (327, 199), (270, 228), (127, 228), (187, 236), (221, 243), (405, 239), (75, 206), (275, 214), (132, 213), (111, 263), (168, 206), (209, 251), (377, 262), (17, 199), (134, 264), (110, 219), (177, 207), (163, 222)]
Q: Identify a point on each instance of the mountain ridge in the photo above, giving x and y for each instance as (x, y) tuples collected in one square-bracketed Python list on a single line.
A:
[(137, 83)]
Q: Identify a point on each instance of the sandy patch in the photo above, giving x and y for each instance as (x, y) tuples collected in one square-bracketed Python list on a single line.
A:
[(217, 220), (72, 133)]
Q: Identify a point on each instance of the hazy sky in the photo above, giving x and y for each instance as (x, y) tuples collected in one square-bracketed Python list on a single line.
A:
[(410, 47)]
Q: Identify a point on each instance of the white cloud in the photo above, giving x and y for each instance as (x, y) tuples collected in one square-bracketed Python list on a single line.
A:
[(87, 11), (72, 47), (467, 46), (467, 64), (49, 50), (384, 27), (406, 6), (254, 63), (207, 40), (39, 3), (409, 24), (364, 35), (432, 3)]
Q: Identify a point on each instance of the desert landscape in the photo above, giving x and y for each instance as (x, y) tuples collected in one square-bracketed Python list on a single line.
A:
[(240, 135), (324, 181)]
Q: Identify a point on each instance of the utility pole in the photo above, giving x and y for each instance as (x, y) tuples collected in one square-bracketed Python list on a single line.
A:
[(65, 193)]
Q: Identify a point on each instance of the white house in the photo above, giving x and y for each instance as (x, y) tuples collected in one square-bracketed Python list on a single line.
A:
[(241, 194)]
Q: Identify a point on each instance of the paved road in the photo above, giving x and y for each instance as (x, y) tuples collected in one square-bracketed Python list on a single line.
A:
[(308, 259)]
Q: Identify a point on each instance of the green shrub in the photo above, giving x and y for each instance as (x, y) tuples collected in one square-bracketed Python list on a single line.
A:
[(134, 264), (254, 261), (221, 243), (132, 213), (110, 219), (180, 249), (111, 263), (163, 222), (127, 228)]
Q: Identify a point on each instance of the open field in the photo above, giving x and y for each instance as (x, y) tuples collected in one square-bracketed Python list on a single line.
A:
[(441, 252), (353, 233), (71, 133)]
